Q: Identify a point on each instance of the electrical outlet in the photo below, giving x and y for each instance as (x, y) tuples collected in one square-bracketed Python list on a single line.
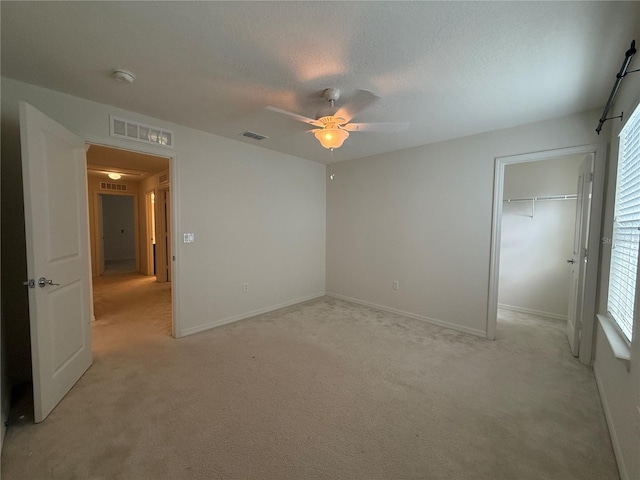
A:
[(245, 287), (396, 285)]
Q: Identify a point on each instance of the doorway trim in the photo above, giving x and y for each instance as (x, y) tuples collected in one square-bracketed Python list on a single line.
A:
[(174, 195), (589, 312)]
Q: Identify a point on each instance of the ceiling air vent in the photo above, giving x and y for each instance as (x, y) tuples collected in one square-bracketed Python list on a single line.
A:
[(255, 136), (119, 187), (119, 127)]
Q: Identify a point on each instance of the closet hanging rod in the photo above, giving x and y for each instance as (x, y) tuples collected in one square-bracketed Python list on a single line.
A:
[(542, 198), (623, 71)]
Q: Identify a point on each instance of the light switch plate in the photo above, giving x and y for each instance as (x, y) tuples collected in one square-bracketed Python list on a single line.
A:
[(189, 238)]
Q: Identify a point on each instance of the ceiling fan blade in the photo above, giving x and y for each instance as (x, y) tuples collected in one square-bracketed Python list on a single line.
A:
[(300, 118), (359, 102), (386, 127)]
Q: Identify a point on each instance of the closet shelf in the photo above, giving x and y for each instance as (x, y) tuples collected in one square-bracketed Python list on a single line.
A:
[(542, 198)]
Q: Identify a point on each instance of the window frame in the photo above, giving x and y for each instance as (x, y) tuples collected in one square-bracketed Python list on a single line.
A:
[(620, 316)]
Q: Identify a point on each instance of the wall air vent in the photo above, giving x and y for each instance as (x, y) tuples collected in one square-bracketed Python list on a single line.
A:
[(118, 187), (255, 136), (119, 127)]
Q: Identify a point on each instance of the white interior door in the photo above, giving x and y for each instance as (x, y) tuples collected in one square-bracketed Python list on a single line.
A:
[(578, 258), (56, 221)]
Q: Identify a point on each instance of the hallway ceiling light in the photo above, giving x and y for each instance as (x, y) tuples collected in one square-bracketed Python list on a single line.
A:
[(114, 176)]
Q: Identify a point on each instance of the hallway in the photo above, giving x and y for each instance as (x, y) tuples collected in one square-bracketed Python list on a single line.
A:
[(129, 305)]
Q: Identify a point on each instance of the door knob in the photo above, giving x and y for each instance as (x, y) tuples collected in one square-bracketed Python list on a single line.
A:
[(42, 282), (571, 261)]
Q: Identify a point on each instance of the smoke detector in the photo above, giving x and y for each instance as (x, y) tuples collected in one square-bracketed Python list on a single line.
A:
[(124, 75)]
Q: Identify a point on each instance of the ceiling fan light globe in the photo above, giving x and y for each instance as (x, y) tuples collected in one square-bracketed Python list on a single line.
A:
[(331, 137)]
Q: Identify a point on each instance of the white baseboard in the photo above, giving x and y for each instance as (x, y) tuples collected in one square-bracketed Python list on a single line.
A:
[(612, 430), (415, 316), (554, 316), (243, 316)]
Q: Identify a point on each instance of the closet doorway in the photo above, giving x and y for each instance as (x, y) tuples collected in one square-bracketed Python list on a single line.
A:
[(533, 234), (119, 240), (538, 216)]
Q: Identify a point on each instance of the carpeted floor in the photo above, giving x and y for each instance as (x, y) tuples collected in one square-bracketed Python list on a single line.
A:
[(119, 267), (322, 390)]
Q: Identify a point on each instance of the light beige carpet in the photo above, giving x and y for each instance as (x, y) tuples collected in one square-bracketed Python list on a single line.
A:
[(322, 390)]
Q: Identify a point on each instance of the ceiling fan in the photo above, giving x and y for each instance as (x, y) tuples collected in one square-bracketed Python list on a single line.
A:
[(333, 126)]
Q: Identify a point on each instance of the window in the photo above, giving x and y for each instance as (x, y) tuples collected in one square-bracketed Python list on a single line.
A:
[(626, 228)]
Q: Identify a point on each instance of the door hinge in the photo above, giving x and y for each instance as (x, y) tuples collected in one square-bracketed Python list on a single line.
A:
[(31, 283), (591, 177)]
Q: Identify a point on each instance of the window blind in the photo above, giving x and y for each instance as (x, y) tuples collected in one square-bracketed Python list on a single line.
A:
[(626, 225)]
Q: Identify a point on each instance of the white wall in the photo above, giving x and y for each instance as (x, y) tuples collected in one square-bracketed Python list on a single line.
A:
[(619, 386), (534, 274), (258, 217), (422, 216)]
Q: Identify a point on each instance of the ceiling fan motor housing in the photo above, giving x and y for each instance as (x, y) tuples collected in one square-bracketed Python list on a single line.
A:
[(331, 94), (331, 121)]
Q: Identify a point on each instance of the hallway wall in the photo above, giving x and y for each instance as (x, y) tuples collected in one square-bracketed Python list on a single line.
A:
[(93, 183), (148, 185)]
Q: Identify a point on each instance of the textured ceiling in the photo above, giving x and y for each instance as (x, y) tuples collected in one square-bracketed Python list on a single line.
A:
[(451, 69)]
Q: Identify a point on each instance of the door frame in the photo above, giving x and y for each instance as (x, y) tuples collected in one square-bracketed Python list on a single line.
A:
[(150, 232), (597, 199), (173, 175), (163, 251)]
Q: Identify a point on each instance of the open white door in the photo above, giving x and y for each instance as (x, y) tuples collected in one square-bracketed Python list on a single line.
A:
[(56, 223), (578, 259)]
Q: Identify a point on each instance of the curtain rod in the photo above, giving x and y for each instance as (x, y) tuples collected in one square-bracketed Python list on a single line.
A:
[(623, 71)]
